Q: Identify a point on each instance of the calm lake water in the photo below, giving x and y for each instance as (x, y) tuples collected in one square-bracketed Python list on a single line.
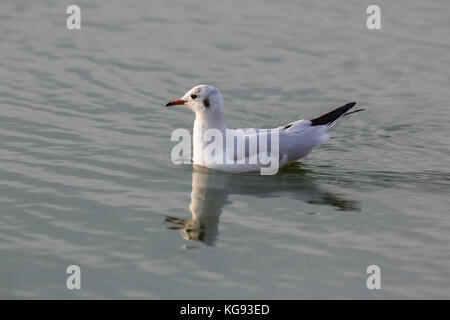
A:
[(86, 176)]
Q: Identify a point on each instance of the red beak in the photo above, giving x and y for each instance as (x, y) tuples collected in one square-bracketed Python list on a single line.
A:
[(175, 102)]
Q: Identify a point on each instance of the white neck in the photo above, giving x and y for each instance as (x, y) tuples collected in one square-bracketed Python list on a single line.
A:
[(200, 126)]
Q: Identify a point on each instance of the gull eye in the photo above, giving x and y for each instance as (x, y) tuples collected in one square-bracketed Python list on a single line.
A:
[(193, 96)]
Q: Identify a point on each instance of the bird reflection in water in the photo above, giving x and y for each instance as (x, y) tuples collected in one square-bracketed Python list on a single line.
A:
[(210, 191)]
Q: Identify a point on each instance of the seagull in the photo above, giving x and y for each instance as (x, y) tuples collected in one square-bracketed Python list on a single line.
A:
[(292, 141)]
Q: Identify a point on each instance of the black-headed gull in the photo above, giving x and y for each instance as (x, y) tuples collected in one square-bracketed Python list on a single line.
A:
[(289, 142)]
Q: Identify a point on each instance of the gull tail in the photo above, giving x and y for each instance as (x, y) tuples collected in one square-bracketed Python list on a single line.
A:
[(329, 119)]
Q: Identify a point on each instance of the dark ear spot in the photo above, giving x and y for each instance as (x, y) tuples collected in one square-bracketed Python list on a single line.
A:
[(206, 103)]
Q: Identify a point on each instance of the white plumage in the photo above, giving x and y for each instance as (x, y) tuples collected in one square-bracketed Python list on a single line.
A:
[(295, 140)]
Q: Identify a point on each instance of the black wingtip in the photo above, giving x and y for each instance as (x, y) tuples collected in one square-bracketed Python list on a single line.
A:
[(330, 117)]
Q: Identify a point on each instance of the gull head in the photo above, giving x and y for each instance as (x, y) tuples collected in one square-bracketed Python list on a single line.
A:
[(206, 101)]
